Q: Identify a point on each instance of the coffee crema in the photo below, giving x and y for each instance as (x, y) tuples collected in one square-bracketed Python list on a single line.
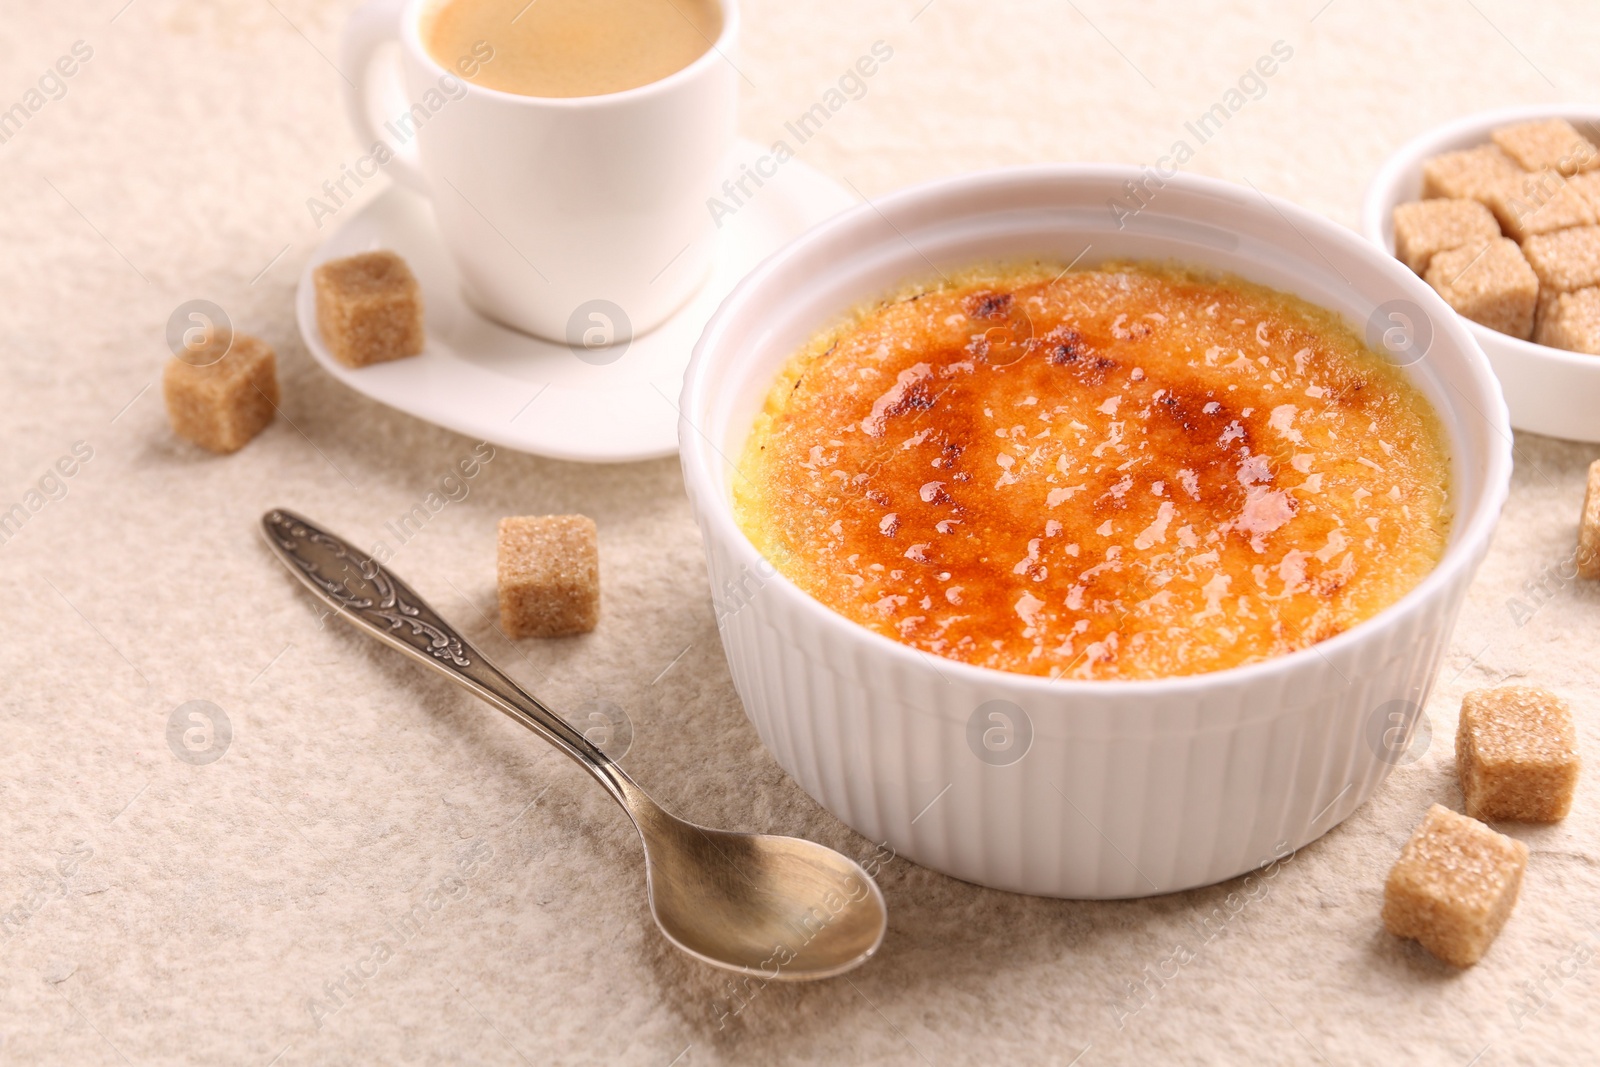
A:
[(564, 48), (1131, 472)]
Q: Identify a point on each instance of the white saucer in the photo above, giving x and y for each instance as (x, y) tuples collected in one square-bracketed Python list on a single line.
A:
[(519, 392)]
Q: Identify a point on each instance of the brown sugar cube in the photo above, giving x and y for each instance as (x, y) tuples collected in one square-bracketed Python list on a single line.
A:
[(222, 402), (1470, 174), (1588, 186), (1589, 527), (1539, 203), (1493, 285), (1569, 320), (1453, 886), (1424, 227), (369, 308), (1566, 259), (1516, 754), (1549, 144), (1544, 310), (549, 570)]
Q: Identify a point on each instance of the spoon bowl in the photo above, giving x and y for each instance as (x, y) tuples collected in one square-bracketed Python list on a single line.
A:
[(760, 904), (780, 908)]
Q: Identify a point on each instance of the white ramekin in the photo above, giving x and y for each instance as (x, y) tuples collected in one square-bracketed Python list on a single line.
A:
[(1127, 788), (1548, 390)]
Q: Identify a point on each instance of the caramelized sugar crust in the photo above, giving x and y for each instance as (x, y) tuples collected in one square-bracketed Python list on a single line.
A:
[(1121, 473)]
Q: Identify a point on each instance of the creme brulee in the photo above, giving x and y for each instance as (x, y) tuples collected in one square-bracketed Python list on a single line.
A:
[(1121, 473)]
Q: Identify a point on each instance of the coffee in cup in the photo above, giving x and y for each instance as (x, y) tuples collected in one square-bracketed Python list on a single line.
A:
[(562, 48)]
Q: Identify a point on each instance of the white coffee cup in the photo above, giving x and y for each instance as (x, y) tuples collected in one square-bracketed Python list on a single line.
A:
[(577, 219)]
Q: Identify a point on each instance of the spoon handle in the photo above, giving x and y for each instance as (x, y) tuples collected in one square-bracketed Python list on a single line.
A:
[(375, 600)]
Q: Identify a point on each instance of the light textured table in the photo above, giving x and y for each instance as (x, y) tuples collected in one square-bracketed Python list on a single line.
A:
[(212, 910)]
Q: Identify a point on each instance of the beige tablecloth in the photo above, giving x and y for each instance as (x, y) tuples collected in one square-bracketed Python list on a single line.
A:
[(160, 911)]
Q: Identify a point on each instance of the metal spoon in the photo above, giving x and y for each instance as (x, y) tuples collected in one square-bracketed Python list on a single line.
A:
[(775, 907)]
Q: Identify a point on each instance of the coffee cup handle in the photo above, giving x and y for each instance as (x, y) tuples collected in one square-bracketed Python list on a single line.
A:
[(373, 25)]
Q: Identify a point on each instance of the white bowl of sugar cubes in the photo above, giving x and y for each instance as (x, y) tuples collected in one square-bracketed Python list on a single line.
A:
[(1500, 213)]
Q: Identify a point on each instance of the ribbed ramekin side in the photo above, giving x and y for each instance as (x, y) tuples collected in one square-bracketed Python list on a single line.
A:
[(1109, 800), (1119, 794)]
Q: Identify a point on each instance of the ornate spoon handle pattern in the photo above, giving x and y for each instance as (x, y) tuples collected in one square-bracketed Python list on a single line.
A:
[(360, 587), (375, 600)]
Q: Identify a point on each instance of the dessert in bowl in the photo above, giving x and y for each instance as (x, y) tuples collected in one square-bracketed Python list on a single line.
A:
[(1119, 473), (1098, 768)]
